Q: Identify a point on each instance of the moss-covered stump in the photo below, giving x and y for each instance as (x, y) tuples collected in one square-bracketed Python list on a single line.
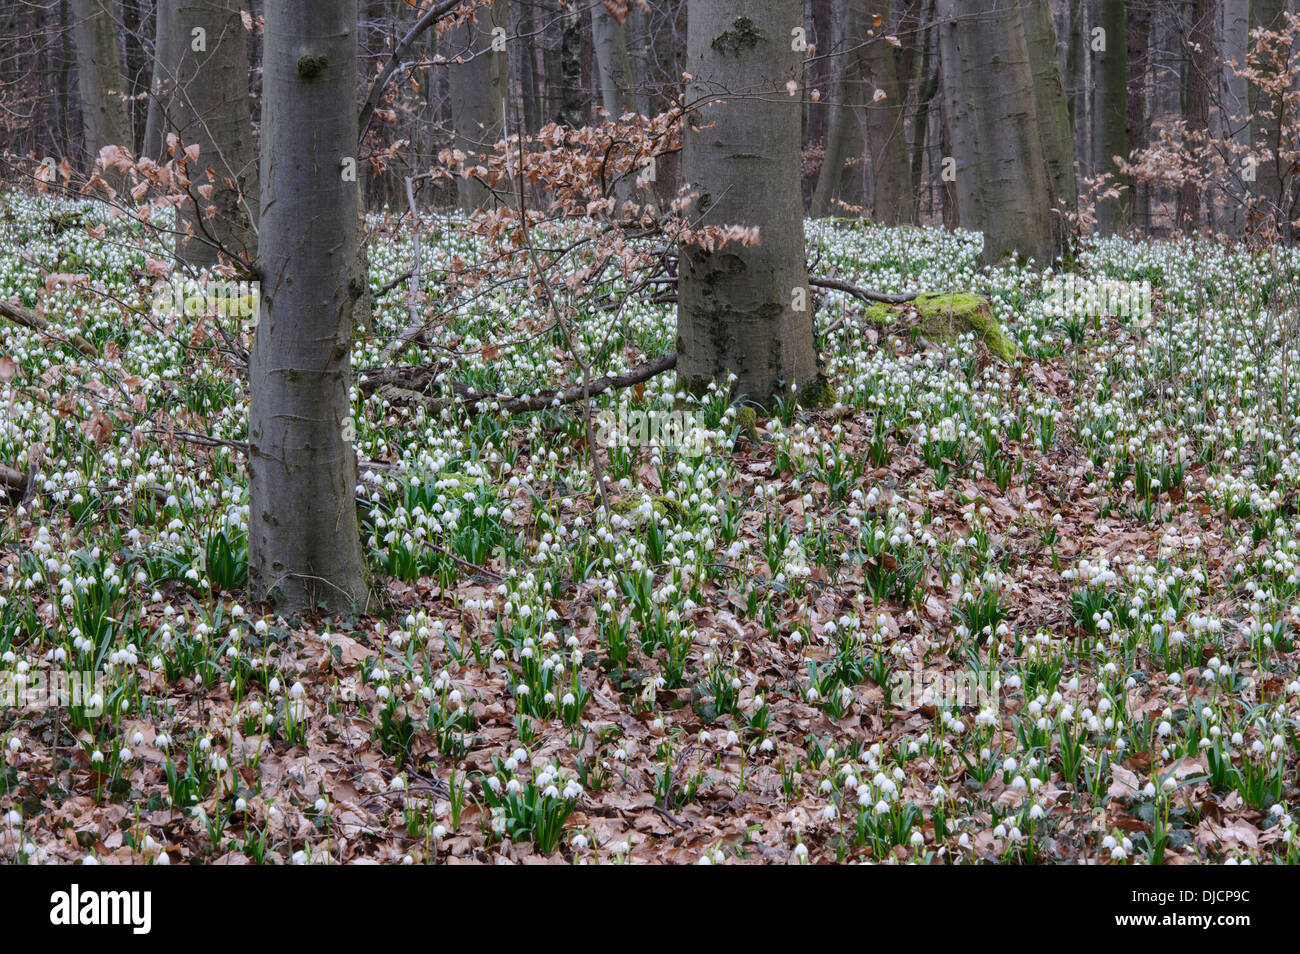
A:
[(945, 317)]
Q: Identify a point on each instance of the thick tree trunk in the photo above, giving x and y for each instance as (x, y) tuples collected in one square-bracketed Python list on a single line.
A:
[(304, 545), (1234, 44), (209, 107), (1053, 112), (739, 307), (1002, 185), (947, 185), (1110, 107), (477, 97), (99, 73)]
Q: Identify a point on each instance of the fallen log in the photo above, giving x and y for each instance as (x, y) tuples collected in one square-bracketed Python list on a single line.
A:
[(29, 319)]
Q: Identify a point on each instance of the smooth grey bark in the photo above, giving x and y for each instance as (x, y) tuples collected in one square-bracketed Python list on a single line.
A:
[(843, 157), (891, 174), (304, 544), (863, 127), (209, 107), (477, 97), (1154, 58), (738, 305), (1265, 110), (1002, 185), (1234, 42), (99, 74), (1053, 112), (161, 82), (1196, 104), (612, 63), (614, 68), (1110, 108)]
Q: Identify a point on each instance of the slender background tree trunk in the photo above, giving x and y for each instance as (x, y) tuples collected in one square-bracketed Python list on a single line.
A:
[(477, 96), (209, 108), (99, 73), (1110, 109), (891, 174)]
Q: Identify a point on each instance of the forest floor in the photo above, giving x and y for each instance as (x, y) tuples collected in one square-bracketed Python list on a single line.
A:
[(972, 610)]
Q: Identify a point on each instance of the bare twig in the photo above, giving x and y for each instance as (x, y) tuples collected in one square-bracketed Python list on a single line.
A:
[(588, 388)]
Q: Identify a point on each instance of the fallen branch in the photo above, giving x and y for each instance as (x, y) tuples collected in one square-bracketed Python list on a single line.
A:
[(12, 480), (531, 402), (29, 319), (866, 294), (17, 483)]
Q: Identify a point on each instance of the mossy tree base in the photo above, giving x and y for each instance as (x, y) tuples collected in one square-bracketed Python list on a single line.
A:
[(946, 317)]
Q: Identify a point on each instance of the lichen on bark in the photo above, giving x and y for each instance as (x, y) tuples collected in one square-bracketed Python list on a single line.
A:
[(743, 35)]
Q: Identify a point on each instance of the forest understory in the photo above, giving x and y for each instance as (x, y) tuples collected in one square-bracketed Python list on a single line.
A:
[(1032, 608)]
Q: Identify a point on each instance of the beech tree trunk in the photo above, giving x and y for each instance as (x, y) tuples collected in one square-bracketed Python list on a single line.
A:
[(304, 545), (612, 63), (614, 69), (1053, 112), (209, 107), (1234, 45), (1196, 109), (843, 158), (745, 310), (1076, 83), (1144, 58), (99, 72), (477, 97), (1265, 110), (161, 82), (1110, 108), (1002, 184), (891, 174)]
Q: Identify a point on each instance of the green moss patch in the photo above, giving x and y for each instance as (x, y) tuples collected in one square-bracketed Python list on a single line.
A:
[(945, 317)]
